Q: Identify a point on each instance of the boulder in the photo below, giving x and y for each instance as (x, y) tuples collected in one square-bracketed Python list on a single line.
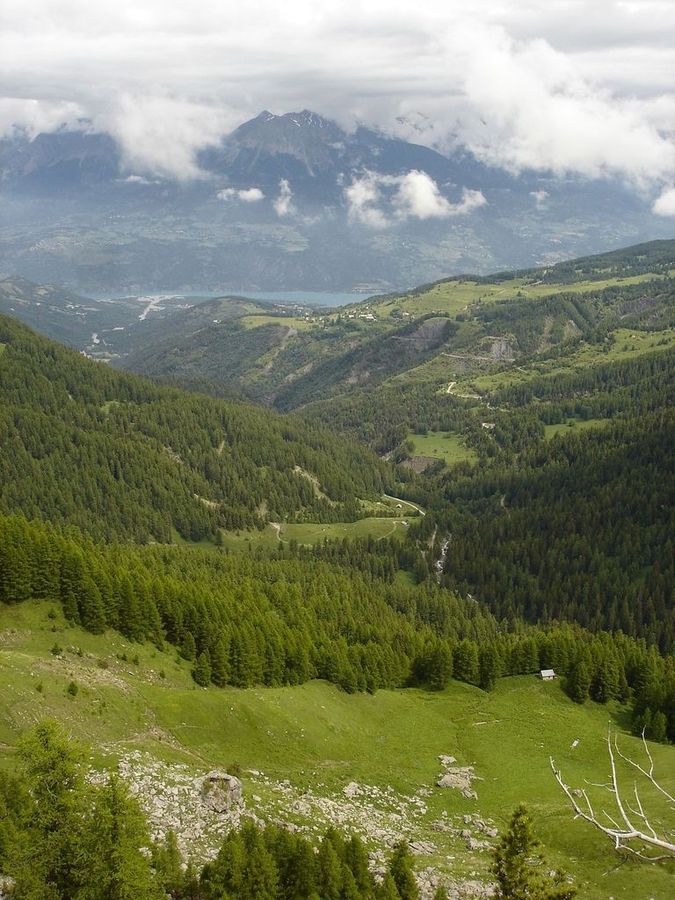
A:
[(220, 791)]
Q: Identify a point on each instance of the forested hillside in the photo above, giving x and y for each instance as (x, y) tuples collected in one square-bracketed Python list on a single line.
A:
[(475, 493), (580, 529), (82, 444)]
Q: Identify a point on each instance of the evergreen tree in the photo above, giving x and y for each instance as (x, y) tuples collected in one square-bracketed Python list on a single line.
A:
[(579, 681), (167, 862), (202, 670), (466, 661), (112, 864), (356, 857), (329, 871), (517, 864), (439, 666), (488, 667), (387, 890), (401, 870), (48, 866)]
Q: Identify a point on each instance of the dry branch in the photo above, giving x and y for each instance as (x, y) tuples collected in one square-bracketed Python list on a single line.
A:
[(637, 835)]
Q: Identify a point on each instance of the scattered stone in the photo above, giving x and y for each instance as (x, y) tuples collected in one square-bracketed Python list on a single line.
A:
[(424, 848), (457, 777), (352, 790), (475, 844), (6, 887)]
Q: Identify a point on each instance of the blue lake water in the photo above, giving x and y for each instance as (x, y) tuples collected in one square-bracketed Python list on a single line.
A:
[(306, 298)]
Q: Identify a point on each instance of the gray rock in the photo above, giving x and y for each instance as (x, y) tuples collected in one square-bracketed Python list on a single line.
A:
[(422, 847), (220, 791), (352, 789)]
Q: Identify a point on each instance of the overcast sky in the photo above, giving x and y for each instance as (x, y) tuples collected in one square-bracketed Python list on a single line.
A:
[(573, 85)]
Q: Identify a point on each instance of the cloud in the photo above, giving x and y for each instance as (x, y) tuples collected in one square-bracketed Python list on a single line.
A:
[(362, 195), (571, 86), (283, 205), (245, 195), (378, 200), (418, 196), (30, 117), (161, 135), (540, 198), (138, 179), (665, 204), (540, 113)]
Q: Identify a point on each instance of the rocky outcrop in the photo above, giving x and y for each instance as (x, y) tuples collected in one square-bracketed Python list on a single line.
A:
[(458, 777), (220, 791)]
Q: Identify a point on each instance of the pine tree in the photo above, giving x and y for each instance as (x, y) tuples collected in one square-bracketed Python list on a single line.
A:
[(112, 864), (579, 681), (466, 662), (357, 860), (401, 870), (47, 865), (387, 890), (439, 665), (517, 877), (220, 664), (488, 667), (167, 862), (329, 871), (202, 670)]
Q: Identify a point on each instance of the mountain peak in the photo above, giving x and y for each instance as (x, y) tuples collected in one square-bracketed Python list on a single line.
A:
[(302, 119), (308, 118)]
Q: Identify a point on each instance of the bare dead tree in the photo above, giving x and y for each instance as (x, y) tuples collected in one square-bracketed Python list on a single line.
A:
[(632, 830)]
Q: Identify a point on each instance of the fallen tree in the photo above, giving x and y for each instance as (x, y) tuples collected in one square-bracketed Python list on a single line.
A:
[(632, 828)]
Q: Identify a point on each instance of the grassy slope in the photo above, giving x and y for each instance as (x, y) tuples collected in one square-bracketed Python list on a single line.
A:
[(320, 739), (329, 353), (628, 344), (456, 296), (442, 445)]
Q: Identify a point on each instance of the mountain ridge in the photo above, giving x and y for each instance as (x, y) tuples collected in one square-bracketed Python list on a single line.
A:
[(293, 201)]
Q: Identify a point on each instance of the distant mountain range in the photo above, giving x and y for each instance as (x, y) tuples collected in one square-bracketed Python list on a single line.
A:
[(292, 202)]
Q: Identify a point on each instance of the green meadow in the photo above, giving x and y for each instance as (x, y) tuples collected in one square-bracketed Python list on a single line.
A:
[(445, 445), (318, 740)]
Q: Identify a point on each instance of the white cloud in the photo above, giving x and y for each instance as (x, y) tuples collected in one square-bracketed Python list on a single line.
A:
[(540, 198), (583, 86), (161, 135), (138, 179), (418, 196), (245, 195), (283, 205), (540, 113), (362, 196), (377, 200), (30, 117), (665, 204)]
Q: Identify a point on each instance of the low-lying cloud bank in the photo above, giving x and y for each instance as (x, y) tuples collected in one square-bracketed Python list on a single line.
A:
[(576, 86)]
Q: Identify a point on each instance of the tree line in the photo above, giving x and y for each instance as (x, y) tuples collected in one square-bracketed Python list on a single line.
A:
[(245, 620)]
